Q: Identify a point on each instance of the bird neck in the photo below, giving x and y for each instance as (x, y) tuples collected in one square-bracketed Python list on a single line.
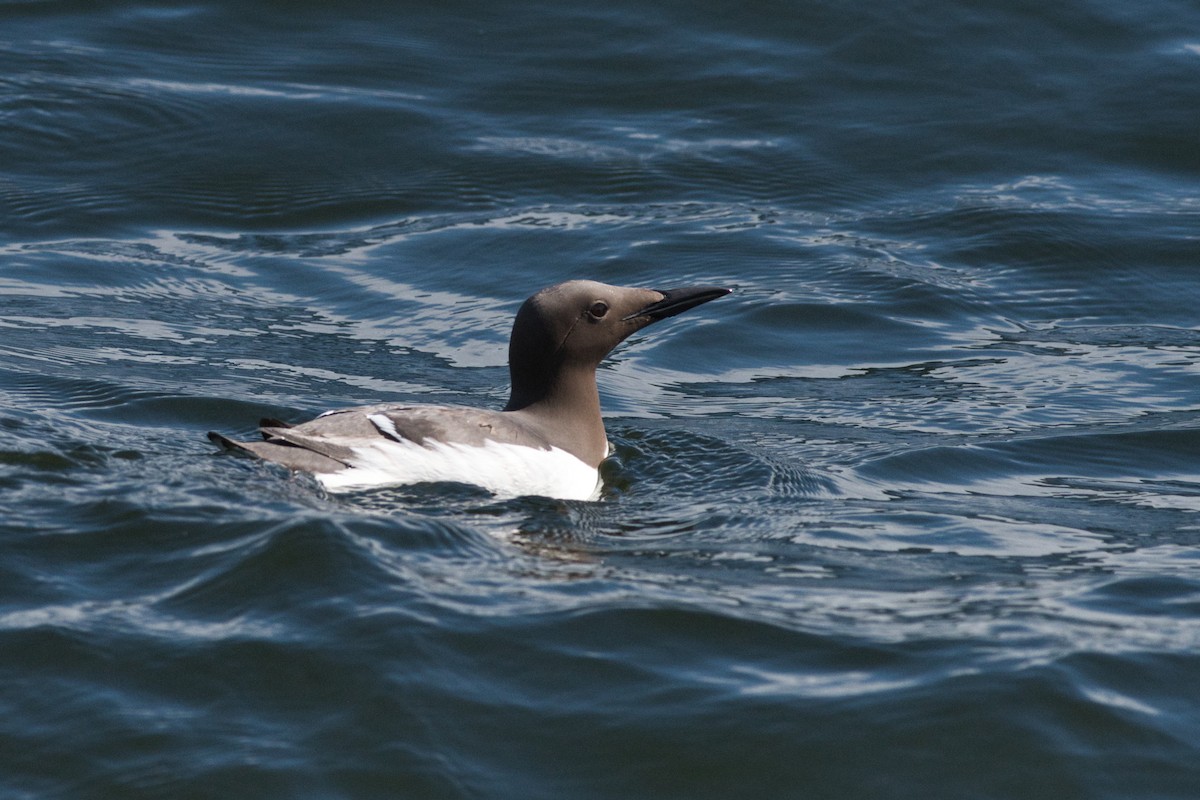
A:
[(565, 406)]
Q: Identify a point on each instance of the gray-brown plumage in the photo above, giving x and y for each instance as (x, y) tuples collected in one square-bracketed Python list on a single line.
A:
[(559, 337)]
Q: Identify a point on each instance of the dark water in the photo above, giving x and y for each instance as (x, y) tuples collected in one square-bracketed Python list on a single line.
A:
[(912, 514)]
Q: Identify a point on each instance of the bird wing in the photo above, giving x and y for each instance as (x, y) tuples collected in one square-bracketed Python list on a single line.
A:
[(447, 424), (327, 443)]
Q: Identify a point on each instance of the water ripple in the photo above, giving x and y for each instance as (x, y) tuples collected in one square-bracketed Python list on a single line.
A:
[(927, 477)]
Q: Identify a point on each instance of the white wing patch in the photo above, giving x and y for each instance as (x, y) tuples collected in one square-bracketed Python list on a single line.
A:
[(383, 423), (506, 470)]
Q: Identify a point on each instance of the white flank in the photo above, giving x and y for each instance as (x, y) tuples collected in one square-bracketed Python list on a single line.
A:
[(505, 470)]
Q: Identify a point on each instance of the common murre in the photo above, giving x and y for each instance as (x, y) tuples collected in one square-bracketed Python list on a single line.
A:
[(549, 440)]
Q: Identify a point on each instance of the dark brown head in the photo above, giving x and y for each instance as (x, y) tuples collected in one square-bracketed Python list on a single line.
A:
[(572, 326)]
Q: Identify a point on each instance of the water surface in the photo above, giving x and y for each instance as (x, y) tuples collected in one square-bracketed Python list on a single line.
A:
[(911, 514)]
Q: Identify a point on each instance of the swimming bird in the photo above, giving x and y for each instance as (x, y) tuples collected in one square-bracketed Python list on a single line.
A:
[(548, 440)]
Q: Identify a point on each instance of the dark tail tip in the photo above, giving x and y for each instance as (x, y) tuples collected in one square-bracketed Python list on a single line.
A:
[(223, 442), (271, 422)]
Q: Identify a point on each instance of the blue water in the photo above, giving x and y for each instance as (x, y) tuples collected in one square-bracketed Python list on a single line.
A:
[(913, 513)]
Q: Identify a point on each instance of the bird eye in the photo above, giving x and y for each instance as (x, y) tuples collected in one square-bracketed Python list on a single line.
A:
[(598, 309)]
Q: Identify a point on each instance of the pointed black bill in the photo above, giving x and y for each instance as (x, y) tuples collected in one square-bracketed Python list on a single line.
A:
[(676, 301)]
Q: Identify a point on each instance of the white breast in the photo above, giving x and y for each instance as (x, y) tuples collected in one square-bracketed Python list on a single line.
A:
[(506, 470)]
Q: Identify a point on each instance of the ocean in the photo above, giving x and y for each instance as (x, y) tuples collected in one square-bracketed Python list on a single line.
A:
[(913, 513)]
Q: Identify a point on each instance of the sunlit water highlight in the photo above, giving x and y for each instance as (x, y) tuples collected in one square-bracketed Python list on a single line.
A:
[(911, 514)]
